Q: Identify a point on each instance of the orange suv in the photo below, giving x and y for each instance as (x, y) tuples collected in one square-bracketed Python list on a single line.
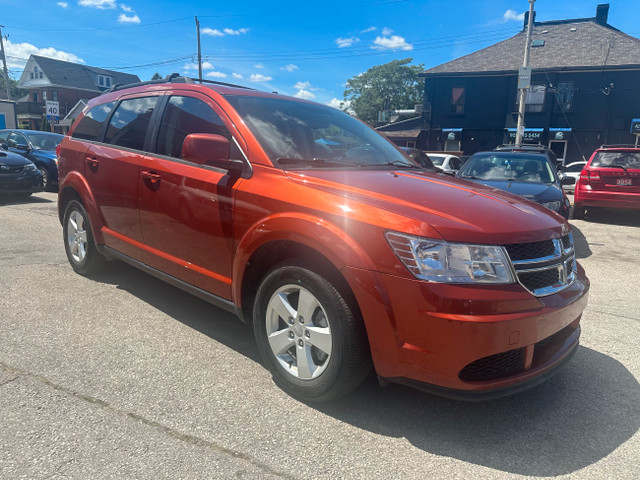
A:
[(343, 253)]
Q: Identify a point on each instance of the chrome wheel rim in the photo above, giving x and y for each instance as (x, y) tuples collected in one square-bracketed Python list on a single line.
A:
[(298, 332), (45, 177), (77, 236)]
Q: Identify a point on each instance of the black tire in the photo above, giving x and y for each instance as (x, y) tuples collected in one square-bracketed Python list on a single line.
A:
[(578, 212), (79, 243), (46, 179), (340, 370)]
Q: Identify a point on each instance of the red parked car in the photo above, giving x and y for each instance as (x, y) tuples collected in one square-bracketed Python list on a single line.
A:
[(342, 252), (611, 179)]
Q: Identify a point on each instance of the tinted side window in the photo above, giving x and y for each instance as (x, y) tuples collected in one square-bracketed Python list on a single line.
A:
[(3, 136), (17, 139), (186, 115), (91, 124), (129, 123)]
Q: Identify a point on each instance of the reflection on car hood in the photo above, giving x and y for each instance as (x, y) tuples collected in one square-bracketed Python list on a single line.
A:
[(460, 211), (536, 192), (13, 159)]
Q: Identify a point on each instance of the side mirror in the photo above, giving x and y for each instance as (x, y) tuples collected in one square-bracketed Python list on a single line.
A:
[(209, 149), (24, 148), (568, 181)]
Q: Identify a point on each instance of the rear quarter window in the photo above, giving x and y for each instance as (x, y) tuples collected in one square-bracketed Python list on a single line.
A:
[(91, 125)]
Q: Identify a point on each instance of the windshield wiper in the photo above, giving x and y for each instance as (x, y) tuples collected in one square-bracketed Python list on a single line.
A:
[(393, 163), (616, 166)]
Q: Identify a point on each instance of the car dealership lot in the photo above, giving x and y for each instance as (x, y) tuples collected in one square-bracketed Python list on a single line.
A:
[(125, 376)]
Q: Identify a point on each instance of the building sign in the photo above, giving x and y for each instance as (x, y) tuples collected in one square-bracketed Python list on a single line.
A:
[(635, 126), (559, 134), (452, 134), (529, 135)]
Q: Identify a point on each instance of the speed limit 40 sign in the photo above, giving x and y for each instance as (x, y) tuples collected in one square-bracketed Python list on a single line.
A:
[(52, 110)]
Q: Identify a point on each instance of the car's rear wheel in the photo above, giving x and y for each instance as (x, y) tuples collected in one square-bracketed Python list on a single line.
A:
[(79, 244), (310, 338)]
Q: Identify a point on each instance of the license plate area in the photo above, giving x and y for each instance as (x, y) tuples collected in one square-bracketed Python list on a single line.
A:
[(623, 182)]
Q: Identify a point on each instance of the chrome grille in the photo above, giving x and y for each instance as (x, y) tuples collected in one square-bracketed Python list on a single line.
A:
[(546, 267)]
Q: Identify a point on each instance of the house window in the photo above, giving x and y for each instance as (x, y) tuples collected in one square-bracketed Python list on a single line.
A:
[(44, 95), (534, 99), (411, 144), (54, 95), (564, 97), (104, 81), (35, 98), (31, 75), (457, 100), (41, 75)]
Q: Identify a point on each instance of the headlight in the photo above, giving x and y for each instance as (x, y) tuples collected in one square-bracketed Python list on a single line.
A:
[(555, 206), (29, 168), (439, 261)]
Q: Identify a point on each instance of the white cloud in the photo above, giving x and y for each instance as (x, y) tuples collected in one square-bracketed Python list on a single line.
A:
[(302, 85), (237, 75), (126, 8), (194, 66), (18, 54), (216, 75), (258, 66), (346, 42), (512, 15), (123, 18), (231, 31), (305, 94), (394, 42), (370, 29), (99, 4), (214, 32), (386, 32), (339, 104), (289, 68), (63, 4), (257, 77)]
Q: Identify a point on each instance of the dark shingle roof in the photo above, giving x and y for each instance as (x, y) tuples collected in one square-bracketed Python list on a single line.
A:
[(567, 44), (75, 75)]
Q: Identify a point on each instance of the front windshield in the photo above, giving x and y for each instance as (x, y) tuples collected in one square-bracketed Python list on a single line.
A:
[(616, 159), (516, 168), (45, 141), (304, 134)]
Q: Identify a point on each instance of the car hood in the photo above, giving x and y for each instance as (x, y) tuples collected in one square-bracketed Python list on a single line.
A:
[(536, 192), (12, 159), (458, 210)]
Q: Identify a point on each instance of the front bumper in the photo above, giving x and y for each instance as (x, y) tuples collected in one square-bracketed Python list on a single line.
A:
[(468, 341), (21, 184)]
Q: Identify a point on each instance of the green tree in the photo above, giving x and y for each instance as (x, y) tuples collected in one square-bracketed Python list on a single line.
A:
[(394, 86), (156, 76), (16, 92)]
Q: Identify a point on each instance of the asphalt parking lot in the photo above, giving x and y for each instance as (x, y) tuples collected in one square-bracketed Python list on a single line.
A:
[(123, 376)]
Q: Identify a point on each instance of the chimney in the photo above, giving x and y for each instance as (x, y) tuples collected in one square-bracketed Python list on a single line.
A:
[(526, 19), (602, 13)]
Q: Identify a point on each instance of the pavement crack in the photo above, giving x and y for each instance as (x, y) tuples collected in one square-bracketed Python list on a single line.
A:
[(6, 382), (173, 433)]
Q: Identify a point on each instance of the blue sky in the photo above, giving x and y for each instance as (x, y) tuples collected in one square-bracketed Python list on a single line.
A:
[(306, 49)]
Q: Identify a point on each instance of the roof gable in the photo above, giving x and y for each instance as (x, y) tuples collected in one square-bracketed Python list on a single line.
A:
[(567, 44), (70, 75)]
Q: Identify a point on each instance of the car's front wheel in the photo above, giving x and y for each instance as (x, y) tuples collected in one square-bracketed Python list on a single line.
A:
[(79, 244), (310, 338), (46, 180)]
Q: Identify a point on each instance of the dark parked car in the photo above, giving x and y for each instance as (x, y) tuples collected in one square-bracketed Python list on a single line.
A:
[(529, 175), (18, 176), (419, 157), (611, 178), (39, 147)]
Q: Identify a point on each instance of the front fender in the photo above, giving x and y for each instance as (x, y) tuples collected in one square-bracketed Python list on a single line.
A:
[(76, 182)]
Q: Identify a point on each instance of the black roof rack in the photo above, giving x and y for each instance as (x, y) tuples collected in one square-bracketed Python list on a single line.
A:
[(173, 78), (621, 145)]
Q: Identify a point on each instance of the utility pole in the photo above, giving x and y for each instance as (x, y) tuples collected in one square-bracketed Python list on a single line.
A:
[(199, 51), (4, 64), (525, 65)]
